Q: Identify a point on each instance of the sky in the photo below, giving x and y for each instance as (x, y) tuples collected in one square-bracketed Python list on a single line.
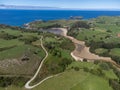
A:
[(74, 4)]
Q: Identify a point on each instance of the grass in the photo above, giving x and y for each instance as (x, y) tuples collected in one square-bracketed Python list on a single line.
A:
[(101, 26), (12, 32), (107, 22), (52, 22), (50, 39), (9, 43), (15, 52), (78, 80), (88, 35), (66, 54), (63, 82), (115, 52), (92, 83), (110, 74), (75, 80), (17, 32), (82, 65), (100, 51), (15, 48), (70, 79), (12, 88), (52, 64), (30, 34), (11, 63)]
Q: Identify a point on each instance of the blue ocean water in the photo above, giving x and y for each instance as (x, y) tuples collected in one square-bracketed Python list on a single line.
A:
[(20, 17)]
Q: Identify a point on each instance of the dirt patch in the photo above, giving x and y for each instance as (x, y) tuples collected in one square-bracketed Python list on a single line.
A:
[(82, 52), (118, 35), (19, 67)]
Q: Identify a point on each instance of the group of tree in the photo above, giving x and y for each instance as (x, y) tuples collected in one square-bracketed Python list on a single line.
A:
[(5, 48), (94, 45), (80, 24), (59, 66), (115, 84), (52, 26), (7, 36), (17, 81), (28, 39), (3, 26)]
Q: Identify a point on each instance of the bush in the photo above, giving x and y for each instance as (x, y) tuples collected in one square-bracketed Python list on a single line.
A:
[(116, 58), (6, 48), (6, 36), (114, 84), (104, 66), (7, 81), (97, 71), (65, 62), (28, 39), (96, 62), (86, 69), (80, 24), (76, 68), (84, 60)]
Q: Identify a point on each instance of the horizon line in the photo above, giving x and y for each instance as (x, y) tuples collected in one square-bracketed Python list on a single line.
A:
[(74, 9), (54, 8)]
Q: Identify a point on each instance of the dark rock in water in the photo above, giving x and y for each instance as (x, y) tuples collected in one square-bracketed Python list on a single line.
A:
[(76, 17)]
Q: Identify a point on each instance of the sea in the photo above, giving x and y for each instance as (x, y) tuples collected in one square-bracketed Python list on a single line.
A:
[(21, 17)]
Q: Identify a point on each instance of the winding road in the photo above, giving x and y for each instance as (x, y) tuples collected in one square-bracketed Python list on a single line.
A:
[(27, 85)]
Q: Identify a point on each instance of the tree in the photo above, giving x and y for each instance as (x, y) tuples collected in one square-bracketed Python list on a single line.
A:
[(104, 66), (84, 60), (96, 62), (86, 69), (65, 62), (76, 68), (80, 24)]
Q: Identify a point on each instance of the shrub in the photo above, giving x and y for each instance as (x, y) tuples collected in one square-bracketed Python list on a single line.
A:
[(97, 71), (104, 66), (114, 84), (80, 24), (84, 60), (86, 69), (96, 62), (76, 68)]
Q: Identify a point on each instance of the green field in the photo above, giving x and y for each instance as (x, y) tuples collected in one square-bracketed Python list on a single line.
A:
[(9, 43), (71, 80), (100, 51), (101, 36), (115, 52), (13, 50), (76, 80), (92, 83), (52, 23)]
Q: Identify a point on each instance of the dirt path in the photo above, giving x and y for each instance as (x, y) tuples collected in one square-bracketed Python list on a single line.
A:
[(82, 52), (27, 85)]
